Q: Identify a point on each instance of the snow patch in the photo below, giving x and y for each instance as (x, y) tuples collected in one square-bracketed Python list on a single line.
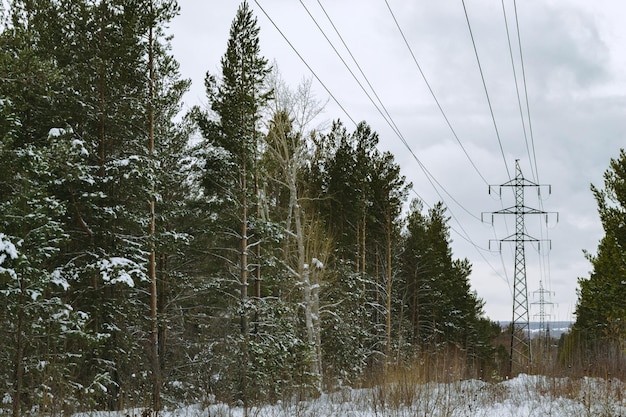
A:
[(518, 397), (80, 145), (124, 162), (7, 248), (317, 263), (55, 132), (119, 270), (57, 279)]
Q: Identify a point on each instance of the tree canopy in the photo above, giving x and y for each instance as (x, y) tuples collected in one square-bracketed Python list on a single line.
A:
[(267, 260)]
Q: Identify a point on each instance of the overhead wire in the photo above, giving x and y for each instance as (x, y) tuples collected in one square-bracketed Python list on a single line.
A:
[(519, 100), (429, 176), (451, 128), (482, 76), (546, 258), (530, 125), (492, 114), (330, 20), (448, 121), (387, 117), (430, 89), (397, 130), (305, 63)]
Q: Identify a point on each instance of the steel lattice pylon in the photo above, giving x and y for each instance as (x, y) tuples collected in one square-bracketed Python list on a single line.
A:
[(543, 328), (520, 353)]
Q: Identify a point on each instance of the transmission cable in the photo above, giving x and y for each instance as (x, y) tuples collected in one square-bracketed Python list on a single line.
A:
[(305, 63), (392, 124), (433, 93), (519, 100), (521, 54), (398, 132), (482, 76), (429, 176), (545, 258), (355, 62)]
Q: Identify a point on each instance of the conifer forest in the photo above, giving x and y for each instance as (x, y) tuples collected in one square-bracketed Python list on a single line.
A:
[(234, 252)]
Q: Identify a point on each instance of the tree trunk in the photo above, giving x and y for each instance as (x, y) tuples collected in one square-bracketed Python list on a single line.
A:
[(310, 293), (363, 229), (257, 271), (162, 290), (243, 277), (19, 365), (388, 324), (101, 98), (154, 330)]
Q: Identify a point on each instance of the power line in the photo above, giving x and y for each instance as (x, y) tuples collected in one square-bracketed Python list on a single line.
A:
[(450, 125), (357, 64), (482, 76), (432, 180), (393, 125), (390, 120), (443, 113), (544, 259), (305, 63), (398, 132), (521, 54), (519, 100)]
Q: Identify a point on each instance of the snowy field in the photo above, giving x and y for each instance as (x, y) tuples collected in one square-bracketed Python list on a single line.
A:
[(522, 396)]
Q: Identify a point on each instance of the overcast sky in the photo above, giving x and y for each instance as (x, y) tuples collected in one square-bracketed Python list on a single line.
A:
[(575, 69)]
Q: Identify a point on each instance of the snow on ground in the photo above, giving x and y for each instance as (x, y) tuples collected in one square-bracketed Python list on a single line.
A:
[(520, 397)]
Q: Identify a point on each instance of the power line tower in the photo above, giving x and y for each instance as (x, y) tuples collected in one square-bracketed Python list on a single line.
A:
[(542, 292), (543, 329), (520, 353)]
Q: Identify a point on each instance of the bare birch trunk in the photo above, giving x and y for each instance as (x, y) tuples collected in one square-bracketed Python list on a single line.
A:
[(310, 294)]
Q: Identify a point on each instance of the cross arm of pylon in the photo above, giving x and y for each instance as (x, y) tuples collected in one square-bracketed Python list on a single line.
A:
[(519, 210), (525, 238)]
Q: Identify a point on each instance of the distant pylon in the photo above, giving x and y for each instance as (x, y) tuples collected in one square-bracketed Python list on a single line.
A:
[(542, 307), (544, 328), (520, 353)]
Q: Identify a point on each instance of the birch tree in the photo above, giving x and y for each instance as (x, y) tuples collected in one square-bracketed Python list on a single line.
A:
[(305, 250)]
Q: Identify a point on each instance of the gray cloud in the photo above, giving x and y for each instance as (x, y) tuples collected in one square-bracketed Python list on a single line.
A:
[(574, 68)]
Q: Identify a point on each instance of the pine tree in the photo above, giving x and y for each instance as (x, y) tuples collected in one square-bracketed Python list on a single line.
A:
[(600, 312), (359, 194), (111, 98), (443, 310), (237, 100), (38, 327)]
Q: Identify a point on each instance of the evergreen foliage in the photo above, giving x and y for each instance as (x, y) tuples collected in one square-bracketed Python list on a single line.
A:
[(267, 261), (600, 325)]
